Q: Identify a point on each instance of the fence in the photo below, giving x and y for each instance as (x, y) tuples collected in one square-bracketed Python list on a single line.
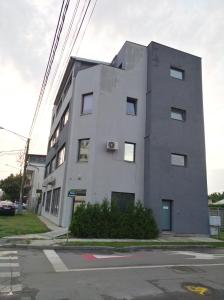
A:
[(216, 211)]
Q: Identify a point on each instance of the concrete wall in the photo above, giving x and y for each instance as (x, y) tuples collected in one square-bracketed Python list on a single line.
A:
[(106, 171), (185, 186)]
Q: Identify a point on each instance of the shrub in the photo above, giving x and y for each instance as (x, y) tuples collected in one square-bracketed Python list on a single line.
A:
[(108, 221)]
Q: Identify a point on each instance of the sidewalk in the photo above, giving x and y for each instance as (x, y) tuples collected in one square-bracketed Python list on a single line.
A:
[(51, 240)]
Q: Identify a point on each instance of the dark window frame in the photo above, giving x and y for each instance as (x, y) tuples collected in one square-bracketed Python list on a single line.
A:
[(79, 148), (57, 160), (180, 155), (181, 71), (177, 110), (82, 105), (133, 101), (134, 152)]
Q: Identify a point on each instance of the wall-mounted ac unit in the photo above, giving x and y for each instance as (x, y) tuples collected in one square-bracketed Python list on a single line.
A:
[(111, 145)]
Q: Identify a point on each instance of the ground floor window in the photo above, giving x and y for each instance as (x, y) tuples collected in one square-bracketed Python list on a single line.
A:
[(48, 201), (122, 200), (55, 201), (79, 199)]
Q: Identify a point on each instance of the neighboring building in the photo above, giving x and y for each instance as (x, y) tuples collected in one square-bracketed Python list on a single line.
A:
[(34, 180), (130, 130)]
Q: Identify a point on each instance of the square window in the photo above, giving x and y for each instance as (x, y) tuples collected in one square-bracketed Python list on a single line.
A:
[(122, 200), (83, 153), (177, 73), (129, 152), (131, 106), (178, 114), (178, 160), (87, 104)]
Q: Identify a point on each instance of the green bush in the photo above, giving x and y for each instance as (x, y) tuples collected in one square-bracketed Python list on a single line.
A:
[(108, 221)]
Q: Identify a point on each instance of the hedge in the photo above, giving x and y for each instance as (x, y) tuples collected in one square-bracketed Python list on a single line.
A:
[(108, 221)]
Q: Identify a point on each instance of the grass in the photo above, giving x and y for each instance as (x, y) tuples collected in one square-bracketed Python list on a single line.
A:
[(146, 244), (26, 223)]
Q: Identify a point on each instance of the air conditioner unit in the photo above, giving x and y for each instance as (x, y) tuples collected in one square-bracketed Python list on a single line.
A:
[(111, 145)]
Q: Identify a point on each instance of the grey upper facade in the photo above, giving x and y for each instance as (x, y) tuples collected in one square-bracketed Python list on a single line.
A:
[(148, 103)]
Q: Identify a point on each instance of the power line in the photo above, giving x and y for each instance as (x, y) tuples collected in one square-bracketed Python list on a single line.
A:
[(57, 35), (76, 35), (6, 151)]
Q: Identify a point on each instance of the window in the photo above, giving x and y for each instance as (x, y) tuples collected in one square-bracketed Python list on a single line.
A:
[(131, 106), (61, 156), (47, 170), (55, 201), (67, 86), (53, 164), (176, 73), (178, 160), (83, 150), (122, 200), (65, 117), (178, 114), (56, 134), (87, 104), (48, 201), (80, 198), (129, 152)]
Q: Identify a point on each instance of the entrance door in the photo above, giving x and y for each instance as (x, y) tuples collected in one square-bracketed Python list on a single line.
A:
[(166, 215)]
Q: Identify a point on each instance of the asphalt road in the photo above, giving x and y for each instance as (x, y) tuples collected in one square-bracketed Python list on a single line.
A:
[(68, 275)]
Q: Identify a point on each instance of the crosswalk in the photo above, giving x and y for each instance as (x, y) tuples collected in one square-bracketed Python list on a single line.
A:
[(9, 275)]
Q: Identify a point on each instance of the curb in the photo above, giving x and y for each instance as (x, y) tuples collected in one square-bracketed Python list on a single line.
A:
[(107, 248)]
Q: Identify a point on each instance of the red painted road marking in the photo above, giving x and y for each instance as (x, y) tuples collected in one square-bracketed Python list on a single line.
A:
[(89, 256)]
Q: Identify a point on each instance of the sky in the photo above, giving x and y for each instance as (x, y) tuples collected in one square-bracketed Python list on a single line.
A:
[(27, 29)]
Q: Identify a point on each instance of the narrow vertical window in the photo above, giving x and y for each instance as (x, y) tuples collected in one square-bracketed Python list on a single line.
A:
[(129, 152), (131, 106), (83, 154), (87, 104), (61, 156)]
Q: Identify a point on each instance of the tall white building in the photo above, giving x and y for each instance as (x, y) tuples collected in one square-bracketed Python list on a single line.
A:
[(123, 131)]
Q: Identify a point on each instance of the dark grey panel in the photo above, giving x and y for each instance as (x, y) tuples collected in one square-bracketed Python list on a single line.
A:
[(185, 186)]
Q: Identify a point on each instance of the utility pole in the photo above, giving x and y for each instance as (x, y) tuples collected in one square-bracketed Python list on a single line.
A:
[(20, 207)]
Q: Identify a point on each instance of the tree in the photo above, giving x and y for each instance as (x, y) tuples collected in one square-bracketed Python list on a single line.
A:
[(11, 186), (216, 196)]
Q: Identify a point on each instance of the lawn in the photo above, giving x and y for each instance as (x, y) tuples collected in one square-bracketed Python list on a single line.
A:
[(25, 223)]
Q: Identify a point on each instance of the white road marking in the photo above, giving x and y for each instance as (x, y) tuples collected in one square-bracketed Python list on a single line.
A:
[(7, 252), (143, 267), (198, 255), (9, 274), (56, 261), (10, 265), (8, 257), (10, 288)]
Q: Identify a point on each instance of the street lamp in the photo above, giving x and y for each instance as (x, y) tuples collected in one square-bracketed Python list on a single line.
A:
[(25, 165)]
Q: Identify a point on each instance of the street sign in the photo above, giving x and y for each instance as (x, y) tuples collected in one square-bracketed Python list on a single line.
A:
[(76, 192)]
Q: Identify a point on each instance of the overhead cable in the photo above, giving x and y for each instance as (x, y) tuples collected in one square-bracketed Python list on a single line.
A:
[(57, 35)]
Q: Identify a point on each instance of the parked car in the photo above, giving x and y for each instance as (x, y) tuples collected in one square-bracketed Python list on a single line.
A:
[(7, 208)]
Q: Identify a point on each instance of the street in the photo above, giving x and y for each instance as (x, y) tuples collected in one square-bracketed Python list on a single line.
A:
[(155, 274)]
